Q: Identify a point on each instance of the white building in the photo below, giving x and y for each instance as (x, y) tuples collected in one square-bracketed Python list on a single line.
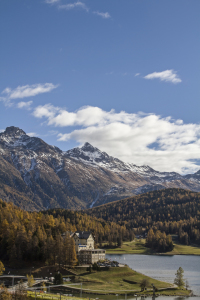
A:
[(83, 240), (84, 245)]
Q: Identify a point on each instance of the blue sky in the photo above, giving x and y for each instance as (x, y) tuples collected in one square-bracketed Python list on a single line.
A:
[(122, 75)]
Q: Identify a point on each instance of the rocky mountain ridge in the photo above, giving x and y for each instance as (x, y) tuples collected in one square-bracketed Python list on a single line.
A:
[(35, 175)]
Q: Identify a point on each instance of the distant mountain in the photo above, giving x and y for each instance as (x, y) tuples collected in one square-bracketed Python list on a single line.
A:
[(36, 176)]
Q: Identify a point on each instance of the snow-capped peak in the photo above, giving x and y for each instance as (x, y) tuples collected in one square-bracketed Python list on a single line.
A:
[(13, 131), (87, 153), (12, 136), (87, 147), (90, 155)]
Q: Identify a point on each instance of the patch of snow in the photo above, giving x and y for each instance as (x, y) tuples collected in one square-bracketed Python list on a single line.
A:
[(95, 200), (194, 179), (59, 170), (33, 164), (2, 151)]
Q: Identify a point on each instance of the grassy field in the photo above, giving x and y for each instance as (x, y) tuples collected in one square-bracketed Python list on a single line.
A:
[(185, 250), (123, 280), (138, 247), (115, 280), (134, 247)]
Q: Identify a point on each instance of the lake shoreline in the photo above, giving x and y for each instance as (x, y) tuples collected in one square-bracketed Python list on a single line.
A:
[(163, 267), (158, 254)]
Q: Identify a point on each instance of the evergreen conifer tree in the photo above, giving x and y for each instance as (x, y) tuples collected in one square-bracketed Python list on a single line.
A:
[(179, 281)]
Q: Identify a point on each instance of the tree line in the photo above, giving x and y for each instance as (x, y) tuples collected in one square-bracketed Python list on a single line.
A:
[(105, 232), (44, 236), (173, 211)]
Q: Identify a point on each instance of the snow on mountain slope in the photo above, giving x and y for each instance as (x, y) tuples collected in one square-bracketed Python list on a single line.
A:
[(78, 178), (94, 157)]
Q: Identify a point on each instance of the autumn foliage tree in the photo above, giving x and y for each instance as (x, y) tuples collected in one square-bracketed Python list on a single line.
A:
[(173, 211), (30, 280), (45, 236), (159, 241), (2, 269)]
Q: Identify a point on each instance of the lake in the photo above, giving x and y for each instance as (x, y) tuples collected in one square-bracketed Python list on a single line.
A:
[(163, 267), (159, 267)]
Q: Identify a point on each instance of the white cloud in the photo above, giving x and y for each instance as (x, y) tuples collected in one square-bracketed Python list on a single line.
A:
[(77, 4), (52, 1), (117, 73), (46, 110), (32, 134), (163, 143), (28, 90), (105, 15), (168, 76), (137, 74), (53, 132), (2, 130), (25, 105), (6, 101)]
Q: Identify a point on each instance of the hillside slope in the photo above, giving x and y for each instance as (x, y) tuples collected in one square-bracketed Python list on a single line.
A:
[(28, 236), (169, 205)]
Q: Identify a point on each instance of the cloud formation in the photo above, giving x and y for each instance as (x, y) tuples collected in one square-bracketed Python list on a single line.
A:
[(23, 92), (46, 110), (163, 143), (168, 76), (32, 134), (52, 1), (70, 6), (25, 105), (28, 90), (105, 15), (78, 4)]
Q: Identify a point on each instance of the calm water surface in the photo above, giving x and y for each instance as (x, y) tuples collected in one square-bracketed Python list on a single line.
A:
[(164, 268)]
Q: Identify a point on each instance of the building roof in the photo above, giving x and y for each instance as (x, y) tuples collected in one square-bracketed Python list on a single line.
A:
[(83, 234)]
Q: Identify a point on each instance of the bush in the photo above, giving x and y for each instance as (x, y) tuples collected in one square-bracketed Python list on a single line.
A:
[(144, 284), (96, 267), (89, 269), (58, 278)]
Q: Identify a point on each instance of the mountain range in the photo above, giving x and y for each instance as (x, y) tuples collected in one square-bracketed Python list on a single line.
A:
[(37, 176)]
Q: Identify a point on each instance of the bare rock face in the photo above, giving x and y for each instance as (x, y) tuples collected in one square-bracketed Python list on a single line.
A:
[(37, 176)]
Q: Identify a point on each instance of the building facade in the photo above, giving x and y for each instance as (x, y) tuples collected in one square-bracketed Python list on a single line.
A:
[(90, 256), (83, 240), (84, 245)]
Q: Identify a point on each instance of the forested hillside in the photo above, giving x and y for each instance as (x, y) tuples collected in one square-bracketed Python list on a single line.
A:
[(110, 232), (33, 236), (170, 210)]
